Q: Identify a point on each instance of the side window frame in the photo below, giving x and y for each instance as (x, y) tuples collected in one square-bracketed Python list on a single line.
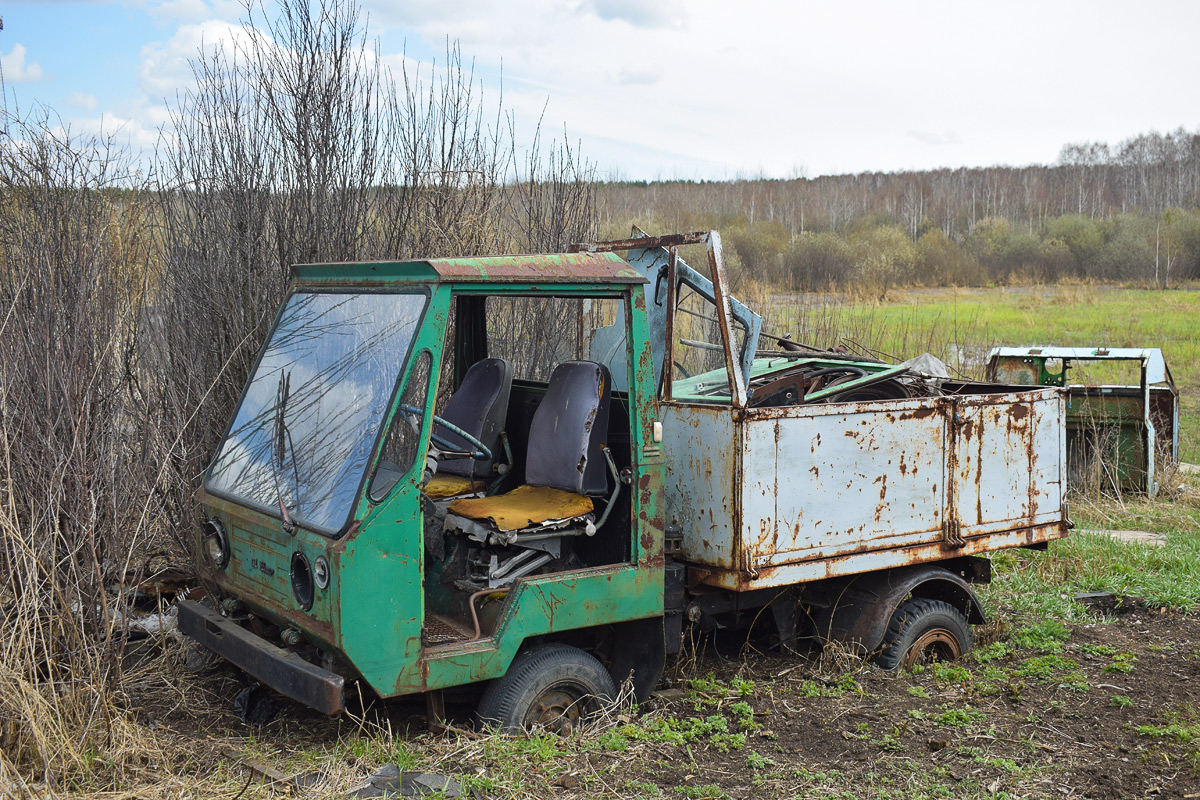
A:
[(399, 417)]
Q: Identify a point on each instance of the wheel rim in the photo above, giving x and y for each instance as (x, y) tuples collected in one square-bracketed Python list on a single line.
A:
[(936, 644), (559, 708)]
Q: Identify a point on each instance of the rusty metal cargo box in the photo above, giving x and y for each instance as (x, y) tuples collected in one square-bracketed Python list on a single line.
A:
[(775, 496), (798, 463)]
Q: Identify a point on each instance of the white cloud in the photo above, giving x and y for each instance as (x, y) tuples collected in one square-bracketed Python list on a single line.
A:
[(165, 68), (181, 10), (129, 133), (709, 88), (643, 74), (416, 13), (81, 101), (935, 139), (640, 13), (15, 68)]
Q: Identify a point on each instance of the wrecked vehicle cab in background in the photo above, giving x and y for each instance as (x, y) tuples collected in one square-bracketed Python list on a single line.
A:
[(1118, 434)]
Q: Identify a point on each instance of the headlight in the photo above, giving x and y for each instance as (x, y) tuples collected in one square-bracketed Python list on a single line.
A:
[(216, 543), (302, 581), (321, 572)]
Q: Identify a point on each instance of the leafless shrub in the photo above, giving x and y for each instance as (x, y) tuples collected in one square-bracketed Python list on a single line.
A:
[(298, 145), (76, 500), (553, 204)]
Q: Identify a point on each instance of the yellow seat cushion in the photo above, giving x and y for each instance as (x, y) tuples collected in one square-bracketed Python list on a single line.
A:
[(440, 487), (523, 507)]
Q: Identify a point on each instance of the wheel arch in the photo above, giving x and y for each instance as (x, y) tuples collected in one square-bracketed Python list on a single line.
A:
[(856, 612), (632, 650)]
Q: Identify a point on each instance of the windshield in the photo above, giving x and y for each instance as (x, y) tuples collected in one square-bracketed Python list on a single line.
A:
[(301, 440)]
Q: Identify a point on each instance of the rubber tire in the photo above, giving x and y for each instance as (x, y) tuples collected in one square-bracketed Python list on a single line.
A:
[(913, 619), (508, 701)]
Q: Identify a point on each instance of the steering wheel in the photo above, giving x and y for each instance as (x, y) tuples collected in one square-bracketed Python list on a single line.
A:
[(450, 449)]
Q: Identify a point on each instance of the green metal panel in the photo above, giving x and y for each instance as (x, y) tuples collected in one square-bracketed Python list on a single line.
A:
[(381, 564), (540, 270), (548, 604)]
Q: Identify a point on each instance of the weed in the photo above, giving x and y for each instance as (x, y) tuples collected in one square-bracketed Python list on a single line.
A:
[(919, 691), (1045, 637), (757, 762), (1122, 662), (705, 692), (951, 673), (990, 652), (613, 741), (1121, 701), (709, 791), (724, 742), (1047, 668), (743, 714), (890, 741), (642, 788), (1179, 732), (848, 683), (959, 717)]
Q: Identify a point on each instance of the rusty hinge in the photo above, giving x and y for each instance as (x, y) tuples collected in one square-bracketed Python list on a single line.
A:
[(952, 533)]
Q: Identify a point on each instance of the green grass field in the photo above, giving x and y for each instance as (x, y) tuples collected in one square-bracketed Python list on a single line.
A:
[(961, 325)]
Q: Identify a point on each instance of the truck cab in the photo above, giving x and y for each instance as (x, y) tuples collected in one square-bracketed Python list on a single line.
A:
[(357, 533)]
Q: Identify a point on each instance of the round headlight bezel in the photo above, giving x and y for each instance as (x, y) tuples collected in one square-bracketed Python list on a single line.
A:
[(302, 581), (321, 572), (216, 543)]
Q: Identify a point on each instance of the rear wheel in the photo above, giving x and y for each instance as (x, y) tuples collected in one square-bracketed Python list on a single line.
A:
[(553, 687), (922, 631)]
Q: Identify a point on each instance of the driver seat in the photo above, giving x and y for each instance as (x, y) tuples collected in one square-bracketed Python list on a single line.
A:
[(479, 407), (566, 465)]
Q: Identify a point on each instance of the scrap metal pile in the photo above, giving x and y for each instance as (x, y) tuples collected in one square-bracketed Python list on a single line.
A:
[(839, 376)]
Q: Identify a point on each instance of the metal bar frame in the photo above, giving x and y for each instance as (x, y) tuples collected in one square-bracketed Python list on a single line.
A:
[(721, 297)]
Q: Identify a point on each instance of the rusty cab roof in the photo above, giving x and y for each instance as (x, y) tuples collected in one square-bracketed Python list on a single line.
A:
[(549, 268)]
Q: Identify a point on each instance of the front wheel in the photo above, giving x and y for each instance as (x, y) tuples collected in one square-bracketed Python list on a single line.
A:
[(923, 631), (553, 687)]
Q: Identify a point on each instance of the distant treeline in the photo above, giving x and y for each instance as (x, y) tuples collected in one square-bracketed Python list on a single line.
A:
[(1122, 213)]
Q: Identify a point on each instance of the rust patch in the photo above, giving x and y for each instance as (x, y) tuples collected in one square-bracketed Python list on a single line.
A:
[(925, 412)]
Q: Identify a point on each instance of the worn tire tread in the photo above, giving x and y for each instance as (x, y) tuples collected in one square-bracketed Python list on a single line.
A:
[(907, 617), (499, 705)]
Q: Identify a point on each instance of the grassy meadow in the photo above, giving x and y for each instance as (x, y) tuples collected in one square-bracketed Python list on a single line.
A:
[(961, 325)]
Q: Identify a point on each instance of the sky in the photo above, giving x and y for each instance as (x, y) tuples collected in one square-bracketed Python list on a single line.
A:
[(693, 89)]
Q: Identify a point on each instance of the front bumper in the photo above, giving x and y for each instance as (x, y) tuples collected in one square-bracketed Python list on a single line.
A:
[(282, 670)]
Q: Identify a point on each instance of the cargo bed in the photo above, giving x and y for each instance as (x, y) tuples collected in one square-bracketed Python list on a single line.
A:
[(774, 496)]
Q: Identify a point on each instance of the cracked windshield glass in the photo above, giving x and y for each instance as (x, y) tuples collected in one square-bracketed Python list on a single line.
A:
[(302, 437)]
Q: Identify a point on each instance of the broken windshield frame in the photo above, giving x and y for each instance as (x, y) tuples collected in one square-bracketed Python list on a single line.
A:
[(338, 357)]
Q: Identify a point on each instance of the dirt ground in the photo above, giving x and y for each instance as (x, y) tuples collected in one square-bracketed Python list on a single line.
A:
[(1103, 710)]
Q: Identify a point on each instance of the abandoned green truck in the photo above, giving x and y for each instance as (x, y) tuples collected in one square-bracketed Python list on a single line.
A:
[(541, 472)]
